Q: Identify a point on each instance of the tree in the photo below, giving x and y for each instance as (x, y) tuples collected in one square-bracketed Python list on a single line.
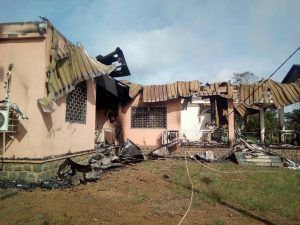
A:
[(271, 121), (251, 123), (293, 119), (244, 78)]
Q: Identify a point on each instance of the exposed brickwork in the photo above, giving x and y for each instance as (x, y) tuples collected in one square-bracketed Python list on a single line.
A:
[(292, 153), (35, 172)]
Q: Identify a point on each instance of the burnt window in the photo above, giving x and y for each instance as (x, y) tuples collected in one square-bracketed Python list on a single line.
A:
[(149, 117), (76, 104)]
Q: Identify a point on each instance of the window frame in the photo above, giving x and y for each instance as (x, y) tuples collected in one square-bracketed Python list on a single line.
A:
[(83, 107), (142, 127)]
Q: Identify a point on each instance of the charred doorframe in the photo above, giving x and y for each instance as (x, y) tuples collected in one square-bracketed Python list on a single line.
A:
[(222, 114), (110, 96)]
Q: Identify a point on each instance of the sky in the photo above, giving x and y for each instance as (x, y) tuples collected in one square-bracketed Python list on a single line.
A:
[(170, 40)]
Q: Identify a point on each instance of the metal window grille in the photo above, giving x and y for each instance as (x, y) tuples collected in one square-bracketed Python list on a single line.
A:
[(76, 104), (149, 117)]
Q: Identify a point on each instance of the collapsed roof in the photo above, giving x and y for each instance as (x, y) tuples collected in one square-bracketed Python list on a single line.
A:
[(183, 89), (264, 94), (248, 98), (70, 64)]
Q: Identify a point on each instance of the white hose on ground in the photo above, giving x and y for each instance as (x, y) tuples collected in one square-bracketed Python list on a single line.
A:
[(192, 188)]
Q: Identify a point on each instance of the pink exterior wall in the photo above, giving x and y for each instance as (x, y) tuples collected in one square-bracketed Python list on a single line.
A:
[(28, 58), (43, 134), (145, 136), (64, 137)]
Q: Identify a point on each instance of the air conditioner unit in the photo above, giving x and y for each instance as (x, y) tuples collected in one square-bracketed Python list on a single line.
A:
[(4, 120), (170, 136)]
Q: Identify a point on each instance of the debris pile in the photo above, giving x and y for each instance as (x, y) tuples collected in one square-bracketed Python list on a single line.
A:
[(71, 173), (160, 152), (131, 153), (28, 186), (202, 143), (252, 154), (107, 158), (208, 156)]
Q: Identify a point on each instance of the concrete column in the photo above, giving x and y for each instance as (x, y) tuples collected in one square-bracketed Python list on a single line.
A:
[(230, 118), (262, 125), (281, 124)]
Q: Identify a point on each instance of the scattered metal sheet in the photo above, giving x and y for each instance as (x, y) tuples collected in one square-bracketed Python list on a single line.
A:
[(160, 152), (252, 154), (73, 169), (208, 156), (131, 153)]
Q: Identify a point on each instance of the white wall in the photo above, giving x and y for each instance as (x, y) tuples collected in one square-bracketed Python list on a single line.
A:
[(193, 121)]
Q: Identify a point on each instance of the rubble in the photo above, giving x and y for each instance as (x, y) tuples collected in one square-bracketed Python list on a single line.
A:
[(208, 156), (108, 157), (71, 173), (131, 153), (252, 154), (160, 152), (202, 143), (283, 145), (48, 184), (111, 157)]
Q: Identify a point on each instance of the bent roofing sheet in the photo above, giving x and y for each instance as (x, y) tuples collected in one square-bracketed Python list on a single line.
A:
[(70, 65), (244, 109), (225, 90), (159, 93), (266, 92), (134, 89)]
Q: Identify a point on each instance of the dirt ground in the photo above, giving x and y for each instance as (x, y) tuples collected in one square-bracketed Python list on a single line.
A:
[(138, 194)]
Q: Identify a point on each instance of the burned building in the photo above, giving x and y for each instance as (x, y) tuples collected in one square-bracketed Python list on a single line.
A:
[(57, 88)]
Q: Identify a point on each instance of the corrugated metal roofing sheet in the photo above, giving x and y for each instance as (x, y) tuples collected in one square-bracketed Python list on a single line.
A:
[(224, 89), (160, 93), (70, 65), (270, 92), (245, 110), (134, 89)]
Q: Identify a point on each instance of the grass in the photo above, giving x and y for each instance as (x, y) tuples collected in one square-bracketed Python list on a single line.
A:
[(217, 222), (277, 191), (135, 196)]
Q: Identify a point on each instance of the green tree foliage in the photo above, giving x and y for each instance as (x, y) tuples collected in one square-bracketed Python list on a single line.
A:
[(244, 78), (293, 119), (252, 122), (271, 119)]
